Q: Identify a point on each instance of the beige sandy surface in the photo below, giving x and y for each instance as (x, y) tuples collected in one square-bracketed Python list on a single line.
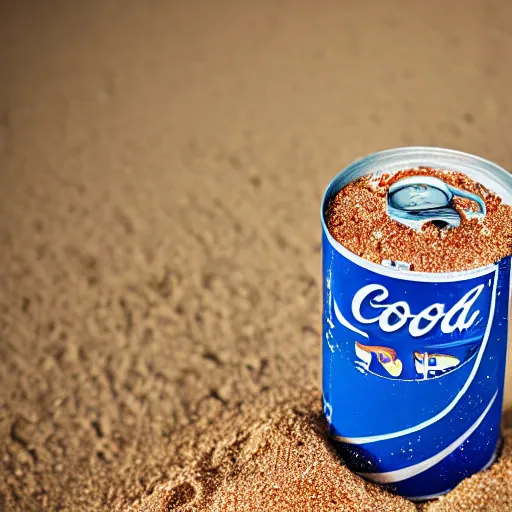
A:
[(161, 168), (270, 458)]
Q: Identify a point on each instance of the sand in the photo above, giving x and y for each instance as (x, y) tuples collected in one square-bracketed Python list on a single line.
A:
[(161, 170), (358, 219), (282, 461)]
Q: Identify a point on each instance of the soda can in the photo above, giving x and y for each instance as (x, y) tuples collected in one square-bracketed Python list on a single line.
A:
[(414, 362)]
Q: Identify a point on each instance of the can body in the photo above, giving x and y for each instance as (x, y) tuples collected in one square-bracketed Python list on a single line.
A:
[(507, 406), (414, 363)]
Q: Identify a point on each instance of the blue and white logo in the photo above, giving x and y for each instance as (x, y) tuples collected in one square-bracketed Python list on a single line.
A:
[(401, 344)]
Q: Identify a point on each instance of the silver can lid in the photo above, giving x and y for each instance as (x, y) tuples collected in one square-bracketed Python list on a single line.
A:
[(416, 200)]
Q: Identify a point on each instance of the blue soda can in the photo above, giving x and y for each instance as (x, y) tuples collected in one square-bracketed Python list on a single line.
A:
[(414, 362)]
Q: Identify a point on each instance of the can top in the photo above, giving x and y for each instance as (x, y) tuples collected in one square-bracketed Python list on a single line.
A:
[(409, 204)]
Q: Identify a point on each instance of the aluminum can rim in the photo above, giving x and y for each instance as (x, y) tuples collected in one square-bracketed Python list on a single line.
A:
[(491, 175)]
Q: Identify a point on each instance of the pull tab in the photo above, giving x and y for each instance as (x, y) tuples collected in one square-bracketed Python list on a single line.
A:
[(415, 200)]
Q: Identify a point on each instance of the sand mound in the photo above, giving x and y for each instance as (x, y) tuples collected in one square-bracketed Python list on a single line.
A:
[(280, 463), (280, 459)]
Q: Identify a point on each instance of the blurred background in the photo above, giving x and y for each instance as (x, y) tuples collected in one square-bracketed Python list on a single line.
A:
[(161, 170)]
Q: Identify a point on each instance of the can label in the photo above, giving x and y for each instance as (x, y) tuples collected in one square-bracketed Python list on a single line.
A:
[(413, 370)]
